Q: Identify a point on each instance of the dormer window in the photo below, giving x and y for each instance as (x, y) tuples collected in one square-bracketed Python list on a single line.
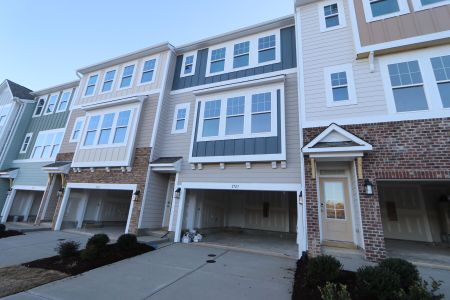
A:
[(217, 60), (90, 87), (266, 48)]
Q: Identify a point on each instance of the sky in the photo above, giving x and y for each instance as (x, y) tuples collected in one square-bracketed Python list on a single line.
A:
[(43, 42)]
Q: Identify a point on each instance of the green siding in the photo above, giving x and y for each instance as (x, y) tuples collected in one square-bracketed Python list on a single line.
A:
[(4, 186), (30, 173)]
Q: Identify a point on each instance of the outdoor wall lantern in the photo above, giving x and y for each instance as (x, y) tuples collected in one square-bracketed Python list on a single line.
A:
[(177, 193), (368, 187), (137, 192), (60, 192)]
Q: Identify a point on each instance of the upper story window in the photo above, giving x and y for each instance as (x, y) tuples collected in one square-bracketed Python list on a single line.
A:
[(441, 68), (64, 101), (235, 115), (91, 132), (148, 70), (127, 76), (76, 132), (90, 87), (188, 65), (241, 55), (121, 126), (217, 60), (426, 4), (331, 14), (26, 142), (39, 107), (47, 144), (51, 105), (180, 118), (381, 9), (407, 86), (266, 48), (340, 87), (108, 81), (105, 130), (211, 118), (261, 112)]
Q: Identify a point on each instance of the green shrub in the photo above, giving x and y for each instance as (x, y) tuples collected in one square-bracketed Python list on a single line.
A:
[(98, 241), (90, 253), (420, 290), (2, 228), (67, 249), (378, 283), (408, 273), (127, 241), (333, 291), (322, 269)]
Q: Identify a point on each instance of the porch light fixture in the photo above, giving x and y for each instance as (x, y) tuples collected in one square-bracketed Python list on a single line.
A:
[(368, 187), (137, 192), (60, 192), (177, 193)]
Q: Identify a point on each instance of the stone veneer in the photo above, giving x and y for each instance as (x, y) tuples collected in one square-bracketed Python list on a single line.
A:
[(402, 150), (137, 175)]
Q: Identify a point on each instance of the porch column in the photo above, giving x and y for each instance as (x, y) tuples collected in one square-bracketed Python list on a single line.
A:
[(179, 224), (62, 209), (8, 205)]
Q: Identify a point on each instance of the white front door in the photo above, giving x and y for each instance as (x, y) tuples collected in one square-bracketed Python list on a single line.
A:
[(168, 207), (336, 209)]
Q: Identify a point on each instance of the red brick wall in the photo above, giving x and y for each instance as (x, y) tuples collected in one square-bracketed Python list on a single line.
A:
[(137, 176), (401, 150)]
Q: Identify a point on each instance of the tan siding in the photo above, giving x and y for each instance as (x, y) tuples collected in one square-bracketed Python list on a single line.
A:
[(405, 26), (146, 123), (332, 48), (67, 147), (153, 209), (135, 88)]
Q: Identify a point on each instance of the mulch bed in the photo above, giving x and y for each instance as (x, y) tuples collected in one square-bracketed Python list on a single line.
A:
[(8, 233), (75, 266), (302, 291)]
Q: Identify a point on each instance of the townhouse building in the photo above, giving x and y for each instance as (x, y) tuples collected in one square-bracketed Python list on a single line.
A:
[(32, 198), (374, 95), (108, 142), (227, 159), (16, 107)]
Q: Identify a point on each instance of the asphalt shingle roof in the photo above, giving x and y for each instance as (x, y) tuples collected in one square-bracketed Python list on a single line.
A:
[(19, 91)]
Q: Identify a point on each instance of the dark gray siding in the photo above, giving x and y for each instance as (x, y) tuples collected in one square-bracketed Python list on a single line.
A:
[(288, 61), (247, 146)]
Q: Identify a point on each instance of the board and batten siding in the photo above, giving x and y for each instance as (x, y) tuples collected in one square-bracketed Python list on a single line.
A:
[(179, 144), (135, 88), (333, 48), (5, 95), (31, 173), (412, 24), (67, 146)]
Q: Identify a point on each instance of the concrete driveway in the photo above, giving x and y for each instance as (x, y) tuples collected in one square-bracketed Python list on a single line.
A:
[(178, 271), (33, 245)]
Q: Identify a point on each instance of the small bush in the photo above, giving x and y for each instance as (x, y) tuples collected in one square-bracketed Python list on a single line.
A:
[(67, 249), (378, 283), (90, 253), (322, 269), (333, 291), (2, 228), (98, 241), (127, 241), (408, 273), (420, 290)]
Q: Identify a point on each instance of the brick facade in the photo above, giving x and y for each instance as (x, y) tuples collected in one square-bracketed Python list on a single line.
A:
[(401, 150), (137, 175)]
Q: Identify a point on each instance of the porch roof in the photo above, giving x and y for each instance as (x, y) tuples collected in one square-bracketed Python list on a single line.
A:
[(58, 167), (166, 164)]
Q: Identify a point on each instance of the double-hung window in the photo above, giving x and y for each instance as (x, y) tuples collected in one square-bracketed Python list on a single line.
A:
[(331, 15), (92, 129), (235, 115), (148, 70), (407, 86), (339, 86), (188, 65), (441, 68), (51, 105), (47, 145), (121, 126), (39, 107), (241, 55), (76, 132), (217, 60), (127, 76), (381, 9), (211, 118), (261, 112), (90, 87), (105, 130), (180, 118), (108, 81), (26, 142), (64, 101), (266, 48)]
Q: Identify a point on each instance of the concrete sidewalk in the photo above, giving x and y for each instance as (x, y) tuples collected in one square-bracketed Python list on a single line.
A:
[(178, 271), (34, 245)]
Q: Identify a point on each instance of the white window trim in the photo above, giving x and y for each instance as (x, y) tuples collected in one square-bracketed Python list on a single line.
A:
[(234, 56), (79, 119), (58, 96), (45, 132), (102, 113), (70, 91), (28, 135), (247, 113), (341, 15), (155, 69), (402, 5), (186, 106), (253, 54), (418, 5), (348, 69), (95, 86), (133, 76), (434, 102), (45, 98), (100, 92), (194, 63)]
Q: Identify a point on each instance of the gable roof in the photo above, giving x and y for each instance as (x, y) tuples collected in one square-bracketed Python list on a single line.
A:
[(336, 139), (19, 91)]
